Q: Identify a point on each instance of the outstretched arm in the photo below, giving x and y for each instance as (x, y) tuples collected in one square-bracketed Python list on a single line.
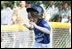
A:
[(45, 30)]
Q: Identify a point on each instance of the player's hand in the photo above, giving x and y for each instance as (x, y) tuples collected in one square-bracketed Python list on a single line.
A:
[(26, 25), (34, 24)]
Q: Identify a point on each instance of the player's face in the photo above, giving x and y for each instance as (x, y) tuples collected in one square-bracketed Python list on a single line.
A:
[(32, 18)]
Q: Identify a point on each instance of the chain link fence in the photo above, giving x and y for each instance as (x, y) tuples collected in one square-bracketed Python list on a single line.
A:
[(46, 3)]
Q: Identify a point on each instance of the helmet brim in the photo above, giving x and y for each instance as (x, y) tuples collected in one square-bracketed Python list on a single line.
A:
[(30, 9)]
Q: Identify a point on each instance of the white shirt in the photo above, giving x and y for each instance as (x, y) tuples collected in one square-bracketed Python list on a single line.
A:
[(6, 16), (50, 12), (24, 15), (65, 15)]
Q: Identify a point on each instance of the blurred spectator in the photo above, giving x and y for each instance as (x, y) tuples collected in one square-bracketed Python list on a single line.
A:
[(51, 10), (57, 18), (20, 18), (58, 13), (6, 15), (69, 19), (28, 5), (60, 9), (21, 15), (66, 12), (15, 15), (42, 5), (6, 19)]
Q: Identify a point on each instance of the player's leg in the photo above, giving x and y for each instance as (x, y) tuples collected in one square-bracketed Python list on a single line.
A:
[(36, 45)]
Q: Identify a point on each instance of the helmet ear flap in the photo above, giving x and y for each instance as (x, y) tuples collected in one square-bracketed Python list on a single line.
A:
[(40, 15)]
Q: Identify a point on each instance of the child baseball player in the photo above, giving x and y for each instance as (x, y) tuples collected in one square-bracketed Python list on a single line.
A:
[(41, 27)]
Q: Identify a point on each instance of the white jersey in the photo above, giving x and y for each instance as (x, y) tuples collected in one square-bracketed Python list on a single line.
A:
[(24, 15)]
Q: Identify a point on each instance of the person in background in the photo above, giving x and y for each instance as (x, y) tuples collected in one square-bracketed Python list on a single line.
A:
[(69, 19), (66, 12), (6, 15), (20, 17), (57, 18), (44, 14), (60, 9), (28, 5), (15, 15), (6, 19), (51, 10), (21, 14)]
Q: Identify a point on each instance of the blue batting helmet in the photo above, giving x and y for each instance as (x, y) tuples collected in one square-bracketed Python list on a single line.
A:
[(37, 8)]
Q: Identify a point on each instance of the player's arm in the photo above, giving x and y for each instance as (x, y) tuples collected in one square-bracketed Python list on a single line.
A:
[(29, 27), (45, 30)]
